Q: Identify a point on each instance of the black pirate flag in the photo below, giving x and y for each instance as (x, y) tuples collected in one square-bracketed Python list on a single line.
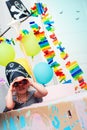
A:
[(17, 9)]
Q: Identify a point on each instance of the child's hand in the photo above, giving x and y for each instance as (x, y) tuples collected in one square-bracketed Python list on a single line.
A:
[(31, 82), (11, 88)]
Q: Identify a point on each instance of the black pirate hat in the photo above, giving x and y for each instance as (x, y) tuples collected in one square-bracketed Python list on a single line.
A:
[(14, 70)]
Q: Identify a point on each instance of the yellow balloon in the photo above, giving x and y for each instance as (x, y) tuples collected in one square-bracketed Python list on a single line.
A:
[(30, 44), (7, 53), (25, 64)]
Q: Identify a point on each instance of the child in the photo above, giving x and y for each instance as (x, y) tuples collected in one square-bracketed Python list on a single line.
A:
[(20, 81)]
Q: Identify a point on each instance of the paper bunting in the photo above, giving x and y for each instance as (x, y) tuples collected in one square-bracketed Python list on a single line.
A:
[(49, 54), (7, 40), (22, 33), (2, 81)]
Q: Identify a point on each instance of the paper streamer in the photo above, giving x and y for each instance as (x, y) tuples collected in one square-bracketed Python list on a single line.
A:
[(75, 70), (7, 40), (49, 53)]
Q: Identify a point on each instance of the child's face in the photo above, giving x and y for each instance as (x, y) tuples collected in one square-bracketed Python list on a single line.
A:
[(21, 85)]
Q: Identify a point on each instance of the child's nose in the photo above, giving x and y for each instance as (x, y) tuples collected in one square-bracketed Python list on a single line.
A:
[(20, 84)]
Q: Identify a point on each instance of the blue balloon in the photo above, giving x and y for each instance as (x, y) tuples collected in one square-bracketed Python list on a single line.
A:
[(43, 73)]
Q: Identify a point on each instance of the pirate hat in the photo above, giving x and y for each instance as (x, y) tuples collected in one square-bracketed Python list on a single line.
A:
[(14, 70)]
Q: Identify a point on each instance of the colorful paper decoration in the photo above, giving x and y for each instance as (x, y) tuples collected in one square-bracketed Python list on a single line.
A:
[(2, 81), (75, 70), (49, 54)]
